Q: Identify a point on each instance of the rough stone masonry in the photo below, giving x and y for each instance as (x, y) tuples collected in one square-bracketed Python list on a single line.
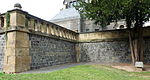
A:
[(2, 47), (147, 50), (115, 51), (106, 52), (45, 51)]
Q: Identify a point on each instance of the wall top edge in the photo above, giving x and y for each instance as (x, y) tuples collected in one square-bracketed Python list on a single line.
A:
[(37, 18)]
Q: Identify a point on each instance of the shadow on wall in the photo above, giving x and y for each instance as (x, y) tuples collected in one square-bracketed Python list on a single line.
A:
[(147, 50)]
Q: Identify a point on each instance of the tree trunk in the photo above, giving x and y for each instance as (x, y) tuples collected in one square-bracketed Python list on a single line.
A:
[(140, 44), (136, 44), (131, 46)]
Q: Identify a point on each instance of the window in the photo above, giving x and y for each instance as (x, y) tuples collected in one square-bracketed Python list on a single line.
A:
[(1, 21), (96, 29), (71, 4), (121, 27), (74, 3), (87, 30)]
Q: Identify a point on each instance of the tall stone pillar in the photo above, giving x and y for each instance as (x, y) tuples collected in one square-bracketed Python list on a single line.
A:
[(77, 48), (17, 57)]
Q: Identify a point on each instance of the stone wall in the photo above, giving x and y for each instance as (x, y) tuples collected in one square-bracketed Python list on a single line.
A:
[(106, 52), (2, 47), (110, 46), (46, 51), (115, 51), (147, 50)]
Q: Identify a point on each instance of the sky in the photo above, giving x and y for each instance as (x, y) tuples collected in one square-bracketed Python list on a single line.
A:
[(45, 9)]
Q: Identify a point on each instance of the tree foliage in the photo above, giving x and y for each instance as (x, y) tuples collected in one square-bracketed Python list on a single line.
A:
[(134, 12), (105, 11), (7, 15)]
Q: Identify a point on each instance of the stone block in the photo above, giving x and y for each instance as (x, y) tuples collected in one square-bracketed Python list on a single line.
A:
[(102, 35), (22, 51), (9, 64), (22, 63), (10, 51), (11, 39), (13, 19), (31, 24), (20, 19), (17, 39), (15, 64), (22, 40)]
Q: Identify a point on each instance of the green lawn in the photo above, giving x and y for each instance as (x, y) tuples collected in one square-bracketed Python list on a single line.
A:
[(82, 72)]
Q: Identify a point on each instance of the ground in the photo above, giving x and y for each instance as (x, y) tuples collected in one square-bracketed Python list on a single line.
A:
[(131, 68), (81, 72)]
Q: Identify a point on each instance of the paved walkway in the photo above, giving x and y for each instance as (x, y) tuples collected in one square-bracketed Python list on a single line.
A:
[(52, 68)]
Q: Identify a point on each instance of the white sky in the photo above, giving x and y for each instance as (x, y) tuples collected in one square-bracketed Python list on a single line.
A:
[(45, 9)]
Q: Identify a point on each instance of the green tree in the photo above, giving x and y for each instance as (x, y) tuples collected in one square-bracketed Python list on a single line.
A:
[(135, 13)]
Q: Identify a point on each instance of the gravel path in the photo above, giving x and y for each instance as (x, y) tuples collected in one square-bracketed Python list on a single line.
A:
[(52, 68)]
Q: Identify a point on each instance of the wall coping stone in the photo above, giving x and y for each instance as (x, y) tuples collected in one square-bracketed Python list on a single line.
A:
[(37, 18), (25, 30), (103, 40)]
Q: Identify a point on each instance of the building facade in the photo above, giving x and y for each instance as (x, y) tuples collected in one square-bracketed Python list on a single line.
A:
[(70, 18)]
